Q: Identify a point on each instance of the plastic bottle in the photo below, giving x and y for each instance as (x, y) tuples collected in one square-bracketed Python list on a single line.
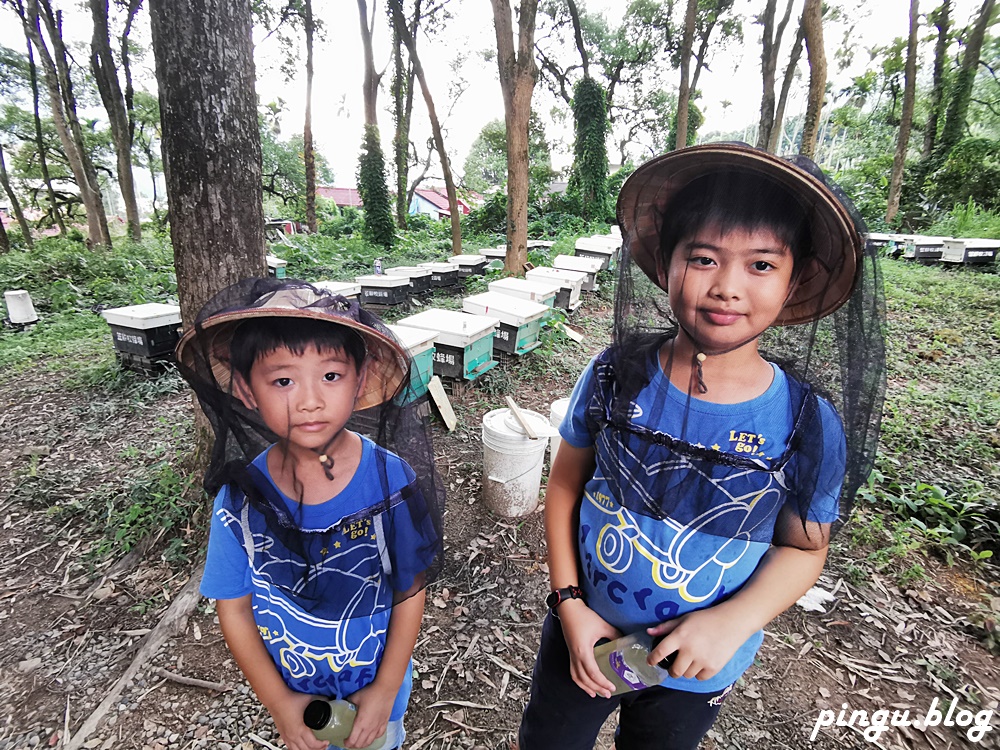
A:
[(378, 266), (332, 721), (623, 662)]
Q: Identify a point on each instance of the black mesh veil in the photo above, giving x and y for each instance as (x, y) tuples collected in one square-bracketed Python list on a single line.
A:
[(379, 540), (828, 341)]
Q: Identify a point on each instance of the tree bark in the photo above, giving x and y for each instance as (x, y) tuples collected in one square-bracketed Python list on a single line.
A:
[(62, 105), (578, 35), (106, 75), (4, 239), (774, 143), (958, 107), (684, 92), (402, 92), (370, 84), (309, 155), (15, 204), (812, 21), (906, 118), (43, 162), (942, 20), (770, 46), (404, 33), (518, 74), (210, 144)]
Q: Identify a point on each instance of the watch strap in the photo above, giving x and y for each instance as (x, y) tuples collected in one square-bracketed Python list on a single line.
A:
[(558, 596)]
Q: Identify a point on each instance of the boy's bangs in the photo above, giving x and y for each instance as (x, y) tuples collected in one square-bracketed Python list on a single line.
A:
[(256, 338)]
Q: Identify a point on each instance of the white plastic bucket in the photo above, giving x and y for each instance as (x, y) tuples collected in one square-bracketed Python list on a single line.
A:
[(557, 412), (512, 462), (19, 307)]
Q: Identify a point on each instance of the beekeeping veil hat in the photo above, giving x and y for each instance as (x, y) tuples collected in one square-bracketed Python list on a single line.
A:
[(382, 540), (828, 339)]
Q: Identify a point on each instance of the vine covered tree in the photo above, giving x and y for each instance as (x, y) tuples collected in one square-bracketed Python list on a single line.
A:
[(588, 182)]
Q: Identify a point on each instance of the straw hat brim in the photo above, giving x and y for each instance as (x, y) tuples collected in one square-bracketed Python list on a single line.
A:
[(387, 364), (823, 284)]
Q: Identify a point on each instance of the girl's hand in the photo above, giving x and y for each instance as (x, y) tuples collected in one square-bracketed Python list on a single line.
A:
[(705, 641), (287, 713), (583, 628), (374, 703)]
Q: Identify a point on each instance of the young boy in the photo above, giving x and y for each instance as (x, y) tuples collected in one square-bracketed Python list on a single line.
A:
[(319, 548), (697, 484)]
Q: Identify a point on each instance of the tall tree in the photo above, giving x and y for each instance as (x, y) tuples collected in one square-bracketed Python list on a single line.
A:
[(309, 154), (588, 180), (399, 23), (941, 19), (106, 75), (402, 106), (379, 228), (770, 48), (812, 23), (906, 117), (211, 144), (777, 127), (684, 90), (961, 94), (518, 74), (15, 204), (62, 103), (43, 162)]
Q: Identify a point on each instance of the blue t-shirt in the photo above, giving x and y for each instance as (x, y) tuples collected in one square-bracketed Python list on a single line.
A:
[(327, 654), (638, 571)]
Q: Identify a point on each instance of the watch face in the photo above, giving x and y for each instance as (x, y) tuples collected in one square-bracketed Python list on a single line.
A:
[(552, 599)]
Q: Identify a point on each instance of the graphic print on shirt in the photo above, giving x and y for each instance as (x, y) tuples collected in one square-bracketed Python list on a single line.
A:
[(352, 639)]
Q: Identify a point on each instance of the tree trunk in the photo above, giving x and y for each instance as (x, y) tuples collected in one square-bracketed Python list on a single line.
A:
[(770, 47), (402, 93), (43, 162), (404, 33), (942, 20), (518, 74), (906, 118), (578, 35), (15, 204), (684, 92), (370, 84), (307, 134), (777, 125), (106, 75), (210, 144), (812, 21), (63, 117), (958, 107), (4, 239)]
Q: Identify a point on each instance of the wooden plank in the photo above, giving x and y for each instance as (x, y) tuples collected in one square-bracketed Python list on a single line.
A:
[(573, 334), (436, 390), (516, 410)]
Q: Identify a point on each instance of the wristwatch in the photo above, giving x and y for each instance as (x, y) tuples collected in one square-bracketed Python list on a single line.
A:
[(557, 597)]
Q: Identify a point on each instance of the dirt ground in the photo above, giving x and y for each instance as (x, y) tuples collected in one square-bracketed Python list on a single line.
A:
[(73, 625)]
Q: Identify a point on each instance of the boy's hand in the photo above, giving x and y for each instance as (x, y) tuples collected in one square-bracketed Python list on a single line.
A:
[(583, 628), (287, 714), (374, 703), (705, 641)]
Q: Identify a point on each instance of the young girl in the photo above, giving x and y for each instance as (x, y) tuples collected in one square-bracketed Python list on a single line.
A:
[(699, 481)]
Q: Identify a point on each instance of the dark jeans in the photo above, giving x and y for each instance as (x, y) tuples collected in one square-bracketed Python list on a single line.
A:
[(560, 716)]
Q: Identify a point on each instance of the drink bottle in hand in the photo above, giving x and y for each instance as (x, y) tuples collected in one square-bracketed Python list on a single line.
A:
[(332, 720)]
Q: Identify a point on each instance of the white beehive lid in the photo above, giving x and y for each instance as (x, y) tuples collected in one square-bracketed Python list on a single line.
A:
[(466, 260), (616, 232), (510, 310), (439, 267), (408, 271), (343, 288), (923, 241), (382, 280), (451, 327), (273, 261), (577, 263), (535, 290), (496, 253), (595, 246), (144, 317), (572, 280), (416, 340), (979, 243), (539, 243), (881, 237)]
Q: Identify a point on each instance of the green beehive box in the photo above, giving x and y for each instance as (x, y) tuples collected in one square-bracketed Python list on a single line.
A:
[(420, 344), (520, 320), (463, 343)]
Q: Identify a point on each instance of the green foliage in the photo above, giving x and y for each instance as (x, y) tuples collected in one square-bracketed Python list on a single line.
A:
[(970, 172), (283, 169), (588, 182), (379, 228), (867, 183), (489, 218), (338, 222), (967, 220), (486, 165)]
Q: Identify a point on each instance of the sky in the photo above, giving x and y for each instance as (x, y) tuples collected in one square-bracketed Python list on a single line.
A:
[(734, 75)]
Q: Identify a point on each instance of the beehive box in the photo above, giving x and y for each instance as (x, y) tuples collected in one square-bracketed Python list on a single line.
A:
[(380, 289), (419, 342), (276, 266), (583, 264), (927, 249), (469, 265), (570, 281), (463, 343), (542, 292), (144, 334), (601, 247), (494, 255), (520, 320), (442, 274), (419, 278), (350, 290), (970, 251)]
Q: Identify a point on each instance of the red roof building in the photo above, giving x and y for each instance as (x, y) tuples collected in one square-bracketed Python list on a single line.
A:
[(342, 197)]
